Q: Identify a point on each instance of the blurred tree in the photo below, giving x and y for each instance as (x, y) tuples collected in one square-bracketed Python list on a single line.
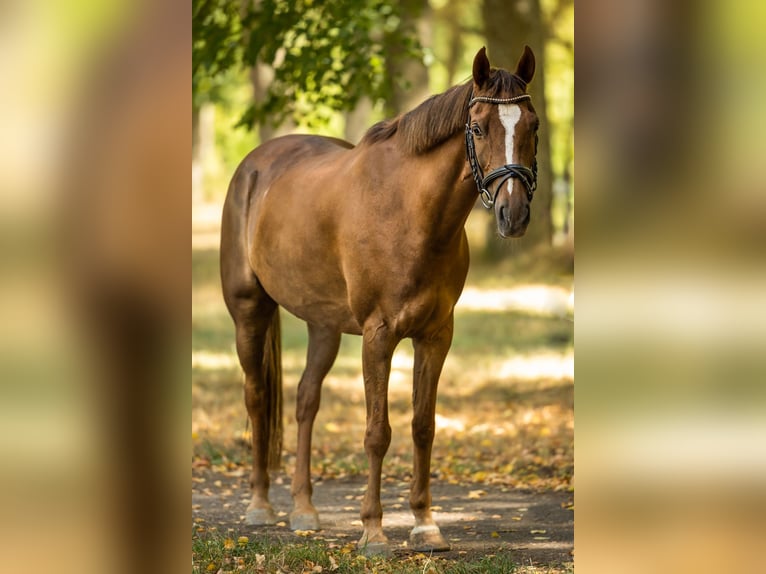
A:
[(204, 154), (407, 76), (324, 55), (451, 15)]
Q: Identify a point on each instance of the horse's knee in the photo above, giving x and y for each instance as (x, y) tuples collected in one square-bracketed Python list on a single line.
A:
[(377, 439), (422, 433)]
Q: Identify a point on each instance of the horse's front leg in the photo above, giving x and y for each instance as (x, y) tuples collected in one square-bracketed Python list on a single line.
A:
[(377, 349), (429, 358)]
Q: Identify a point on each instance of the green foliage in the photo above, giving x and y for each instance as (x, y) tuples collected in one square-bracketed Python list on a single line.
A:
[(216, 34), (325, 55)]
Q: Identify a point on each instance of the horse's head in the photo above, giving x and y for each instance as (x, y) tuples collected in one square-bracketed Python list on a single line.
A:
[(501, 139)]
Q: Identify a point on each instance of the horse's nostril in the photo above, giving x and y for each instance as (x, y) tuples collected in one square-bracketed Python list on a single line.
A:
[(504, 213)]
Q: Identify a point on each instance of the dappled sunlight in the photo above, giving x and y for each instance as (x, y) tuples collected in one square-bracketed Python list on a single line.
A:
[(542, 299), (209, 361), (504, 413), (544, 365)]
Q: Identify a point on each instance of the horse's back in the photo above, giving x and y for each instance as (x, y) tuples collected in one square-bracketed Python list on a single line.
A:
[(277, 156)]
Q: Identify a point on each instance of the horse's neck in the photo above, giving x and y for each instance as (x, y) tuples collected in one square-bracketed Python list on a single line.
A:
[(445, 194)]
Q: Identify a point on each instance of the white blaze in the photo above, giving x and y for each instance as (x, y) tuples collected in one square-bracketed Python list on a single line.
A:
[(510, 114)]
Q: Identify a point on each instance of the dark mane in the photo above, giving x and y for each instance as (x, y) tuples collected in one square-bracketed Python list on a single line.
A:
[(442, 115)]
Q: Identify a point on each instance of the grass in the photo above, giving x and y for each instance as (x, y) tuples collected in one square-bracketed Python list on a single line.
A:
[(214, 552)]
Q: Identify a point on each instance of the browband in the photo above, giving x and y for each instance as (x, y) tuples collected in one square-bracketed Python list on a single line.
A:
[(489, 100)]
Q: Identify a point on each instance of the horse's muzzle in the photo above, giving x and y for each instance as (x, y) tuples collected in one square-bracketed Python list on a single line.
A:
[(510, 224)]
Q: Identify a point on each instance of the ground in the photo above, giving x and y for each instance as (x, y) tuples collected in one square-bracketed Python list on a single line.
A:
[(535, 527)]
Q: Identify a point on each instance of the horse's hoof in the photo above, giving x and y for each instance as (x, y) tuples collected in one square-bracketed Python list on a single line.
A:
[(428, 539), (260, 516), (304, 521), (377, 546)]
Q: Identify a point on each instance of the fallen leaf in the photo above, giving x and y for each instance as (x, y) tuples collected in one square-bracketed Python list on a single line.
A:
[(228, 543), (474, 494)]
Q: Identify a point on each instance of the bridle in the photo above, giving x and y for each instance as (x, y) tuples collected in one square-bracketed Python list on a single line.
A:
[(527, 176)]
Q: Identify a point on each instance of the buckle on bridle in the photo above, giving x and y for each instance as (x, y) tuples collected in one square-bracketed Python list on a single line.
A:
[(486, 198)]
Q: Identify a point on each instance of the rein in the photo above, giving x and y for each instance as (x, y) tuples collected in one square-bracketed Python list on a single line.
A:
[(527, 176)]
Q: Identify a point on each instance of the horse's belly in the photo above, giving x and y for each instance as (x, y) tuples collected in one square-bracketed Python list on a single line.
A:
[(307, 288), (327, 315)]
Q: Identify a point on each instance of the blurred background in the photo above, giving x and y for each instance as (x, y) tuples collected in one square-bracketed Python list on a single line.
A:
[(671, 384), (95, 200)]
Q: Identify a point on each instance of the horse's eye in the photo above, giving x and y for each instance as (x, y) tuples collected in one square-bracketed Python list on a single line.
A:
[(476, 130)]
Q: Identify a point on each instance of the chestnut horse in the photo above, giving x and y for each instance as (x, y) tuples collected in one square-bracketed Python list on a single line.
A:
[(370, 240)]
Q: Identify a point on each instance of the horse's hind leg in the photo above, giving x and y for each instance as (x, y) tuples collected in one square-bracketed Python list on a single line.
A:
[(322, 350), (252, 317)]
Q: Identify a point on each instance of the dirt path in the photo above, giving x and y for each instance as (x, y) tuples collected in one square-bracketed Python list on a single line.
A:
[(537, 528)]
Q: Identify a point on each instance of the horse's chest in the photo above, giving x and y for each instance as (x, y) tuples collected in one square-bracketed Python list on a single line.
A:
[(412, 301)]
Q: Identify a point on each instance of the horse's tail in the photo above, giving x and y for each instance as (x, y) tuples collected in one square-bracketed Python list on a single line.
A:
[(272, 377), (242, 293)]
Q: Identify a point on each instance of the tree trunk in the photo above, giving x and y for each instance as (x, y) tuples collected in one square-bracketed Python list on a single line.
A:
[(508, 26), (196, 164), (452, 21), (261, 75), (205, 160), (408, 77)]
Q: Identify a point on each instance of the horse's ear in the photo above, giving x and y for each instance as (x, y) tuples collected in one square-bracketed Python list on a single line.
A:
[(481, 67), (525, 68)]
